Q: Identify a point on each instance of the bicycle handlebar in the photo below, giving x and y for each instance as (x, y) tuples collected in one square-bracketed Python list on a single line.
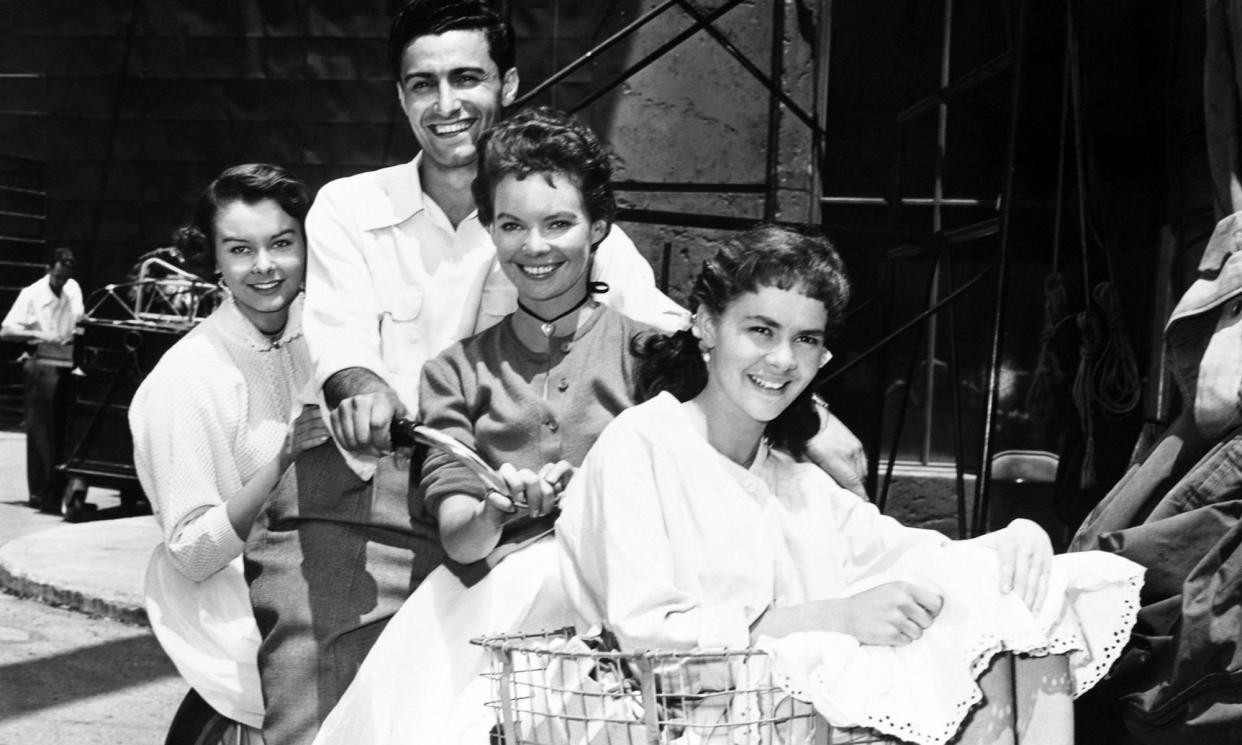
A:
[(408, 433)]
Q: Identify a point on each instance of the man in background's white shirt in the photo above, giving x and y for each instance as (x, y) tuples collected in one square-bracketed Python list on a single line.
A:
[(45, 316)]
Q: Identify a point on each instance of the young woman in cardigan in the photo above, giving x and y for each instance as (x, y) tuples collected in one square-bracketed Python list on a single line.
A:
[(217, 423), (530, 394)]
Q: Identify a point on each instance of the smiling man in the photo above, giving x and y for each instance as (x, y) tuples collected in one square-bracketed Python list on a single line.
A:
[(399, 268), (400, 265)]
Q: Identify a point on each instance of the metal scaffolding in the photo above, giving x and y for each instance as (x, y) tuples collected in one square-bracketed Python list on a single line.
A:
[(940, 242)]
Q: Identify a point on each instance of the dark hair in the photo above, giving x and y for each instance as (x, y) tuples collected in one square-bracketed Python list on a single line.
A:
[(766, 256), (58, 254), (249, 183), (432, 17), (544, 141)]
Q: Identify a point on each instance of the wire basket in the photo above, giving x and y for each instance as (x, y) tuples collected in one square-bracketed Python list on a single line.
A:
[(554, 688)]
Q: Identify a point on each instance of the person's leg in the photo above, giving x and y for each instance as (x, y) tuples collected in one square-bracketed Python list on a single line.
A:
[(1044, 697), (39, 397), (1026, 701), (992, 721), (330, 560)]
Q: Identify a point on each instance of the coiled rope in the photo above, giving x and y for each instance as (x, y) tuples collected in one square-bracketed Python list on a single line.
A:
[(1107, 377)]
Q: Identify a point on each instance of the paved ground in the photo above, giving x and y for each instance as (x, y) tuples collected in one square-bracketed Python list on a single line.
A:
[(96, 567), (68, 675)]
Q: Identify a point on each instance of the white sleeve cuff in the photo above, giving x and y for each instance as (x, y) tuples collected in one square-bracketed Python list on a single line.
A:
[(724, 626), (205, 543)]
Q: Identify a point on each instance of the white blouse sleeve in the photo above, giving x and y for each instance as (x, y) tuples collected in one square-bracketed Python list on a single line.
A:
[(618, 562), (869, 542), (182, 452)]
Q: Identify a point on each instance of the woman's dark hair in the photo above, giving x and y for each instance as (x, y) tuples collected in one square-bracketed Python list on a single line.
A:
[(250, 183), (433, 17), (767, 256), (544, 141)]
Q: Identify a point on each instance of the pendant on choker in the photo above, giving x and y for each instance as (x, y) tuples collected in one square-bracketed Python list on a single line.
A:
[(548, 325)]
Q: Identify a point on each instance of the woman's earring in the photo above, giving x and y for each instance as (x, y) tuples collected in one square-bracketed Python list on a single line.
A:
[(706, 353)]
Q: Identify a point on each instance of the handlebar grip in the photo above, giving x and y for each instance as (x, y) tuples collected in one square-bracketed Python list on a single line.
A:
[(402, 432)]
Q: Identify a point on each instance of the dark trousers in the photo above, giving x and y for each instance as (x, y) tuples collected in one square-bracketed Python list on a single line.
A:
[(328, 564), (45, 397)]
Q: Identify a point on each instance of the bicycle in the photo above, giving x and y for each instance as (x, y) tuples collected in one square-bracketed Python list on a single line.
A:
[(197, 721)]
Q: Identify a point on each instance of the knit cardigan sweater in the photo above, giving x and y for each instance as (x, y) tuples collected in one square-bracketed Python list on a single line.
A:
[(215, 410)]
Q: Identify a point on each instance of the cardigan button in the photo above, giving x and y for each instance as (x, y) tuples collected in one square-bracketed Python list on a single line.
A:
[(552, 425), (563, 385)]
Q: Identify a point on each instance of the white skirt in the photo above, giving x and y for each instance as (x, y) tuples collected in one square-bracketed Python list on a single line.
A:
[(923, 691), (423, 680)]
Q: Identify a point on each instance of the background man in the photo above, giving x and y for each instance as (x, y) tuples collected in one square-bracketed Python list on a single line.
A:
[(45, 316)]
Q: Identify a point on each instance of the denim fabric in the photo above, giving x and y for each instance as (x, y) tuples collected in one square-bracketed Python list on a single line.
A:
[(328, 565)]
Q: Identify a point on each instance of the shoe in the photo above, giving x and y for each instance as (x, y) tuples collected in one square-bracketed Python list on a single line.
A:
[(79, 511)]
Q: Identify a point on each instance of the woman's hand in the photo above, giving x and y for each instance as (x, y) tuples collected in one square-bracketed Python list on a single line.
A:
[(306, 432), (536, 493), (891, 615), (1025, 557)]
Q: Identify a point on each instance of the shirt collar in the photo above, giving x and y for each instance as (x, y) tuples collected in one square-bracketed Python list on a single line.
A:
[(403, 197), (44, 294)]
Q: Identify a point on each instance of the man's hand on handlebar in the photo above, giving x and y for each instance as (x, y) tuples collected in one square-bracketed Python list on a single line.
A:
[(367, 405)]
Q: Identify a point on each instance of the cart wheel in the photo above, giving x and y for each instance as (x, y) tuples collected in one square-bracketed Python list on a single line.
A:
[(73, 505), (196, 723)]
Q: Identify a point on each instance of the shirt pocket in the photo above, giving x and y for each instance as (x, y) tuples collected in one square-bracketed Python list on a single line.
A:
[(401, 332)]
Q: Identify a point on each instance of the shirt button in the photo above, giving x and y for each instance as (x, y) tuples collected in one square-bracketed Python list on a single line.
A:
[(566, 347), (563, 385), (552, 425)]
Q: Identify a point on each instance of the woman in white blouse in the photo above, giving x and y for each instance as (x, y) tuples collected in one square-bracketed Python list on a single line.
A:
[(690, 525), (217, 423)]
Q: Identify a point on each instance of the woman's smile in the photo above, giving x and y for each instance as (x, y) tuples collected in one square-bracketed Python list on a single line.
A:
[(266, 288), (767, 385), (763, 351), (261, 255), (540, 271), (544, 239)]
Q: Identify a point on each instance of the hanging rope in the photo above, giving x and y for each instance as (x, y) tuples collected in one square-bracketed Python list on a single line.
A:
[(1106, 380), (1088, 351), (1116, 384), (1048, 369)]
